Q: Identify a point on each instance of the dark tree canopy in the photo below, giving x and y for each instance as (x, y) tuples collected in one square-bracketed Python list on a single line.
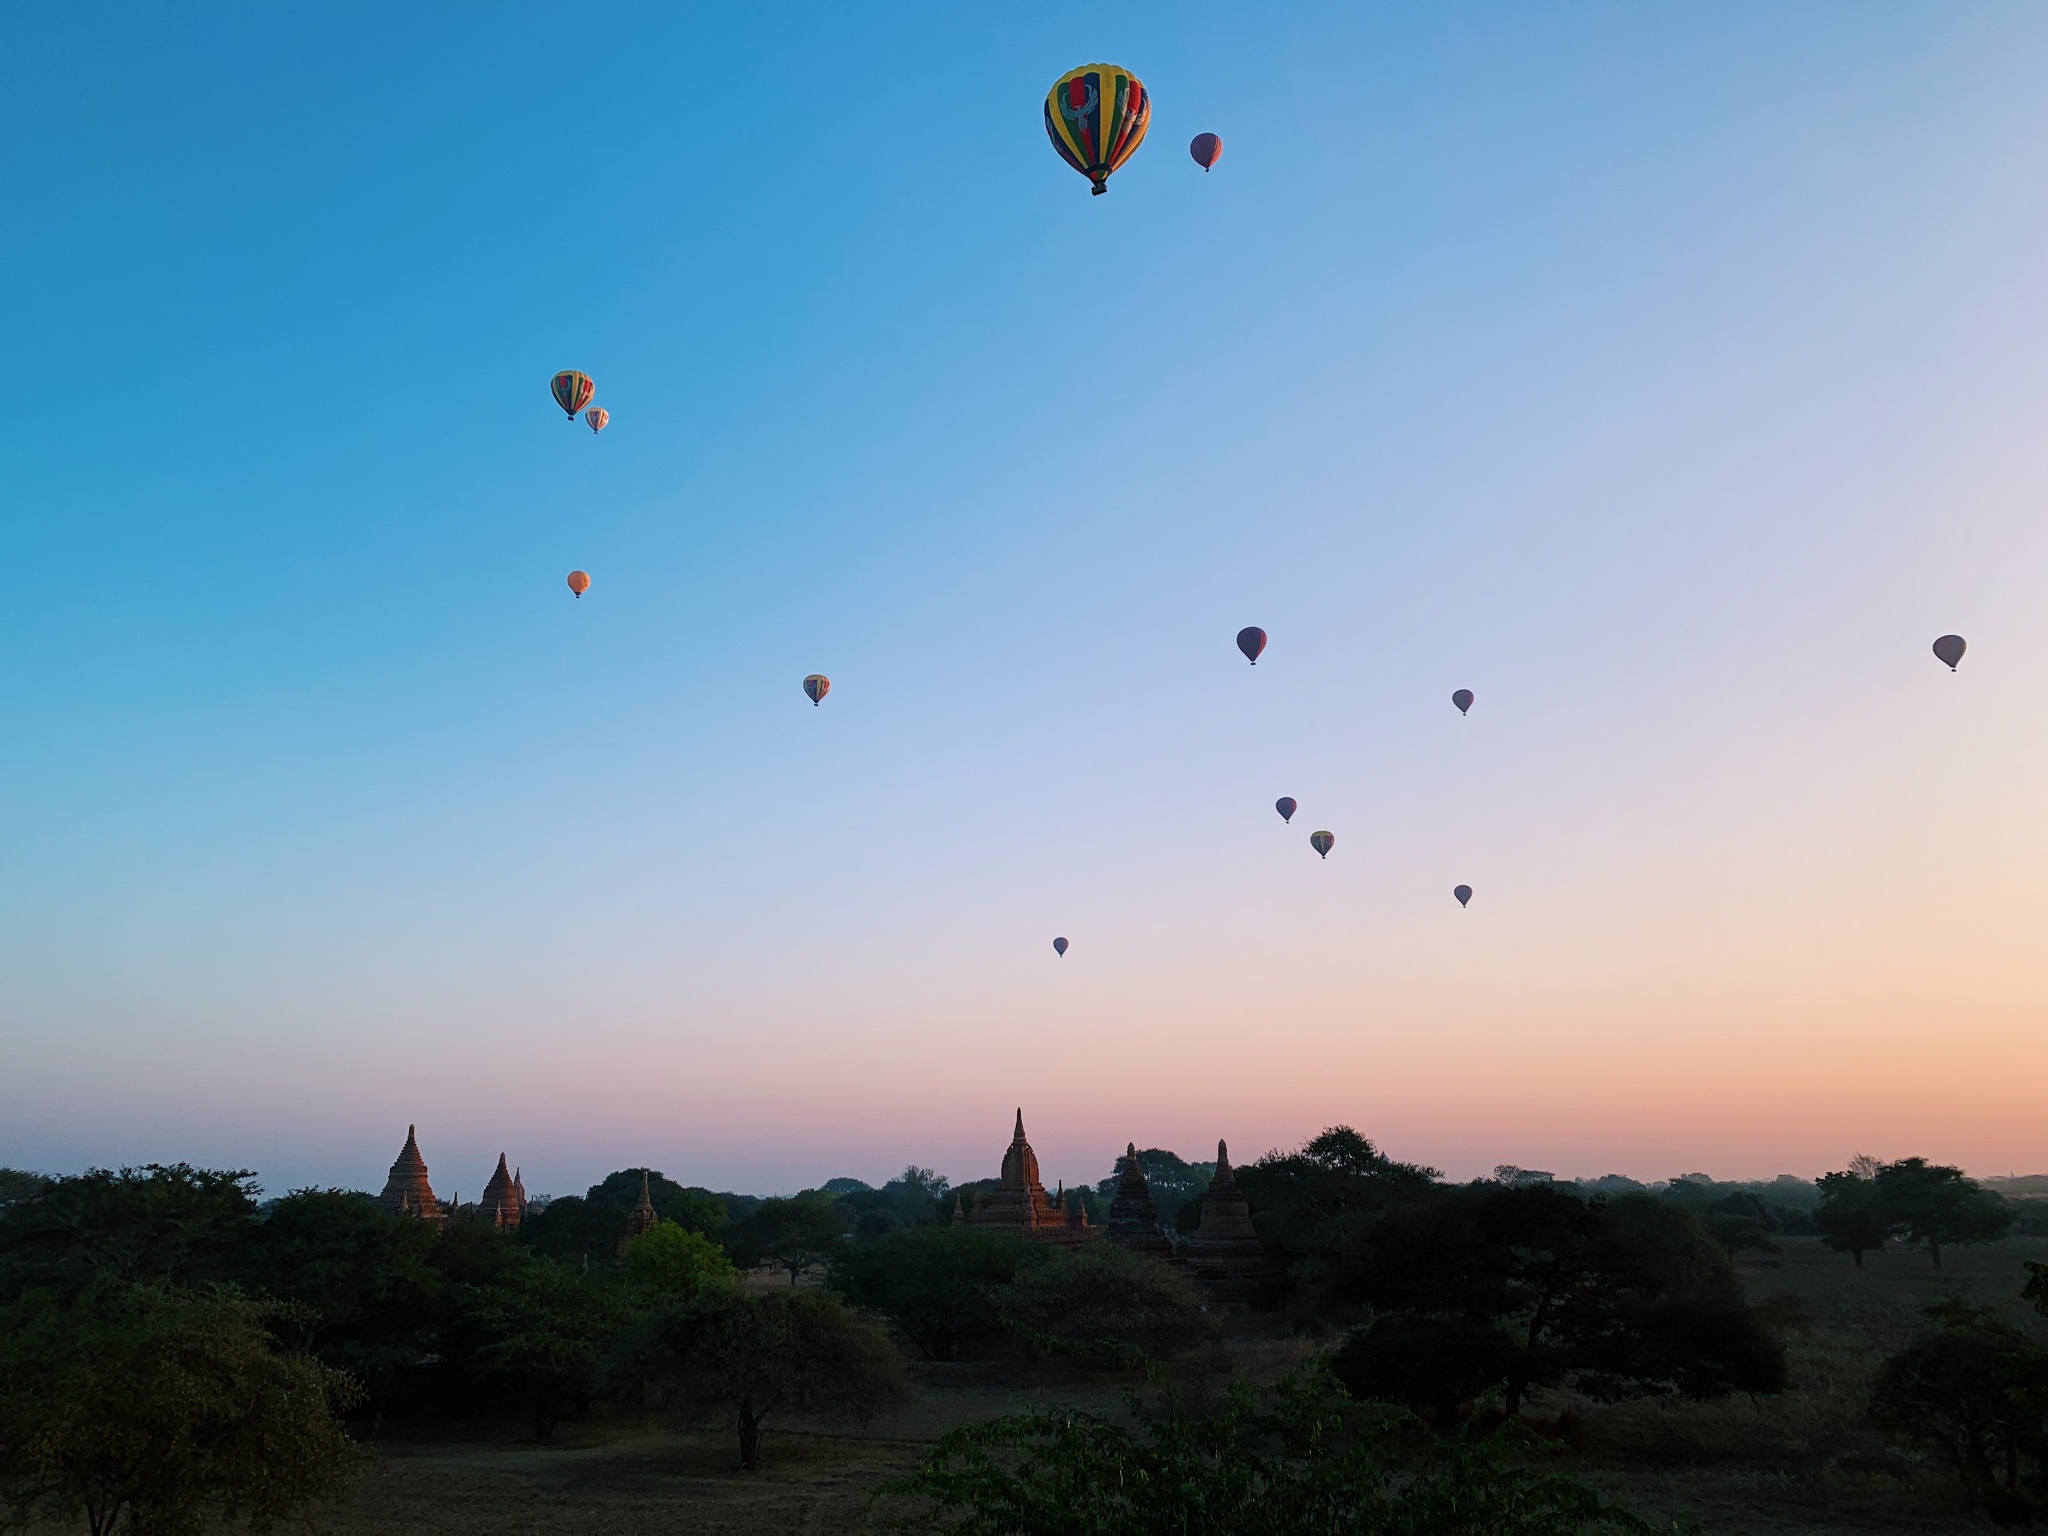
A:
[(1314, 1207), (936, 1284), (1848, 1216), (174, 1223), (1933, 1205), (797, 1235), (1100, 1294)]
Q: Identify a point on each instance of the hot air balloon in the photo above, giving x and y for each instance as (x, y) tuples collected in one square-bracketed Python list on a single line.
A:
[(579, 582), (1463, 699), (1059, 947), (1950, 649), (597, 416), (1285, 806), (816, 686), (1252, 641), (1207, 149), (1096, 117), (572, 390), (1322, 842), (1464, 895)]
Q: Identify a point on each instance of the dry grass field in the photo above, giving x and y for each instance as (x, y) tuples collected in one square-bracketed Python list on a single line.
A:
[(1799, 1463)]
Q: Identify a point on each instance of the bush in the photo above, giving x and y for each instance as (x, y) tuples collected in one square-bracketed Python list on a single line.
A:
[(934, 1283), (672, 1258), (1102, 1294), (1436, 1366)]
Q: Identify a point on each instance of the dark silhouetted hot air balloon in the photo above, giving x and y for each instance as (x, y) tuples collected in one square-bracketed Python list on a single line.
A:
[(1464, 895), (597, 416), (1207, 149), (1096, 117), (1252, 641), (1322, 842), (816, 686), (579, 582), (1950, 649), (1285, 806), (1463, 699), (1059, 947), (572, 391)]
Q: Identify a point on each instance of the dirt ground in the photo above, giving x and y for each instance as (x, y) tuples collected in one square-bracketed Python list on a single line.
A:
[(1799, 1463)]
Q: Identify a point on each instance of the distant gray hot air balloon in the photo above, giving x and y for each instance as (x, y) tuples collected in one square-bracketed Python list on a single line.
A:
[(1463, 699), (1322, 842), (1252, 641), (1059, 947), (1464, 895), (1285, 806), (1950, 649)]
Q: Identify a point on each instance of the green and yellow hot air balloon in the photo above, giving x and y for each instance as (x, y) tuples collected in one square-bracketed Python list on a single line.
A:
[(1096, 117)]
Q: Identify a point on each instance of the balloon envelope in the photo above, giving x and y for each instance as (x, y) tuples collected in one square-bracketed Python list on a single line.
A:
[(1285, 806), (1950, 649), (597, 416), (1463, 699), (1322, 842), (1463, 893), (816, 686), (1059, 946), (572, 390), (1207, 149), (1252, 641), (579, 582), (1096, 117)]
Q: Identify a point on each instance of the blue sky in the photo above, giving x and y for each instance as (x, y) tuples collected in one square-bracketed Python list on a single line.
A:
[(1669, 377)]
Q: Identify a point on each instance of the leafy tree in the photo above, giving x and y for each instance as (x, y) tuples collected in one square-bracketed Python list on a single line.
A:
[(1314, 1207), (174, 1223), (668, 1257), (1975, 1391), (915, 1196), (16, 1186), (1102, 1294), (1740, 1221), (1849, 1219), (162, 1408), (587, 1227), (935, 1283), (1295, 1458), (749, 1355), (1437, 1365), (798, 1234), (1174, 1182), (1932, 1204)]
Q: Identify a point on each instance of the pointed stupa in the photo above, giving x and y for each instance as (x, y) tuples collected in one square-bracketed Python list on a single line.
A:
[(1019, 1205), (959, 1210), (642, 1218), (1133, 1217), (1225, 1253), (503, 1203), (407, 1192)]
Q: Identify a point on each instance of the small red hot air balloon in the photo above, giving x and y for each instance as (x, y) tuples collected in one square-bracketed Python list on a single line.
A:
[(1463, 699), (1285, 806), (572, 390), (1252, 641), (597, 416), (1207, 149), (1059, 947), (579, 582), (1322, 842), (1950, 649), (816, 686)]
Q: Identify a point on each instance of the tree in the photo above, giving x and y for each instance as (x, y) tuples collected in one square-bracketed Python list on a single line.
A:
[(587, 1226), (914, 1197), (1314, 1207), (935, 1283), (1102, 1294), (174, 1223), (671, 1258), (163, 1408), (1932, 1204), (750, 1355), (1848, 1216), (798, 1234), (1293, 1458)]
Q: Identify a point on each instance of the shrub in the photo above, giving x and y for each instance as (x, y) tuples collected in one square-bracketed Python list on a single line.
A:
[(1102, 1294)]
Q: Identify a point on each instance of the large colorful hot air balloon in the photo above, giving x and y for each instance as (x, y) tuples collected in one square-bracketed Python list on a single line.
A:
[(816, 686), (1096, 116), (1285, 806), (1207, 149), (1252, 641), (1950, 649), (597, 416), (579, 582), (1322, 842), (1464, 894), (572, 390), (1463, 699), (1059, 947)]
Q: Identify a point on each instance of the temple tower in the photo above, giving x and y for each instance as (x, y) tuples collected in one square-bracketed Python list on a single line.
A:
[(642, 1218), (1020, 1206), (1133, 1218), (407, 1192), (1225, 1253), (504, 1200)]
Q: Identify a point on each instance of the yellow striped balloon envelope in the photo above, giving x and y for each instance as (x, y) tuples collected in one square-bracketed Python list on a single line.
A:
[(572, 390), (1096, 117)]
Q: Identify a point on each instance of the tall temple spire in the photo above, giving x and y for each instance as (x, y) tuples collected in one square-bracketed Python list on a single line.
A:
[(1133, 1217), (407, 1191), (1019, 1204), (503, 1202), (642, 1218), (1225, 1253)]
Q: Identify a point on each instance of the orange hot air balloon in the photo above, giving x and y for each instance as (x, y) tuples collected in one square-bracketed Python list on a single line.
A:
[(579, 582), (1322, 842), (1207, 149), (572, 390), (597, 416), (816, 686)]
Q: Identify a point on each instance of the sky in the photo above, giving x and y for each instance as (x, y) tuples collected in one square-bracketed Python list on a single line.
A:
[(1671, 377)]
